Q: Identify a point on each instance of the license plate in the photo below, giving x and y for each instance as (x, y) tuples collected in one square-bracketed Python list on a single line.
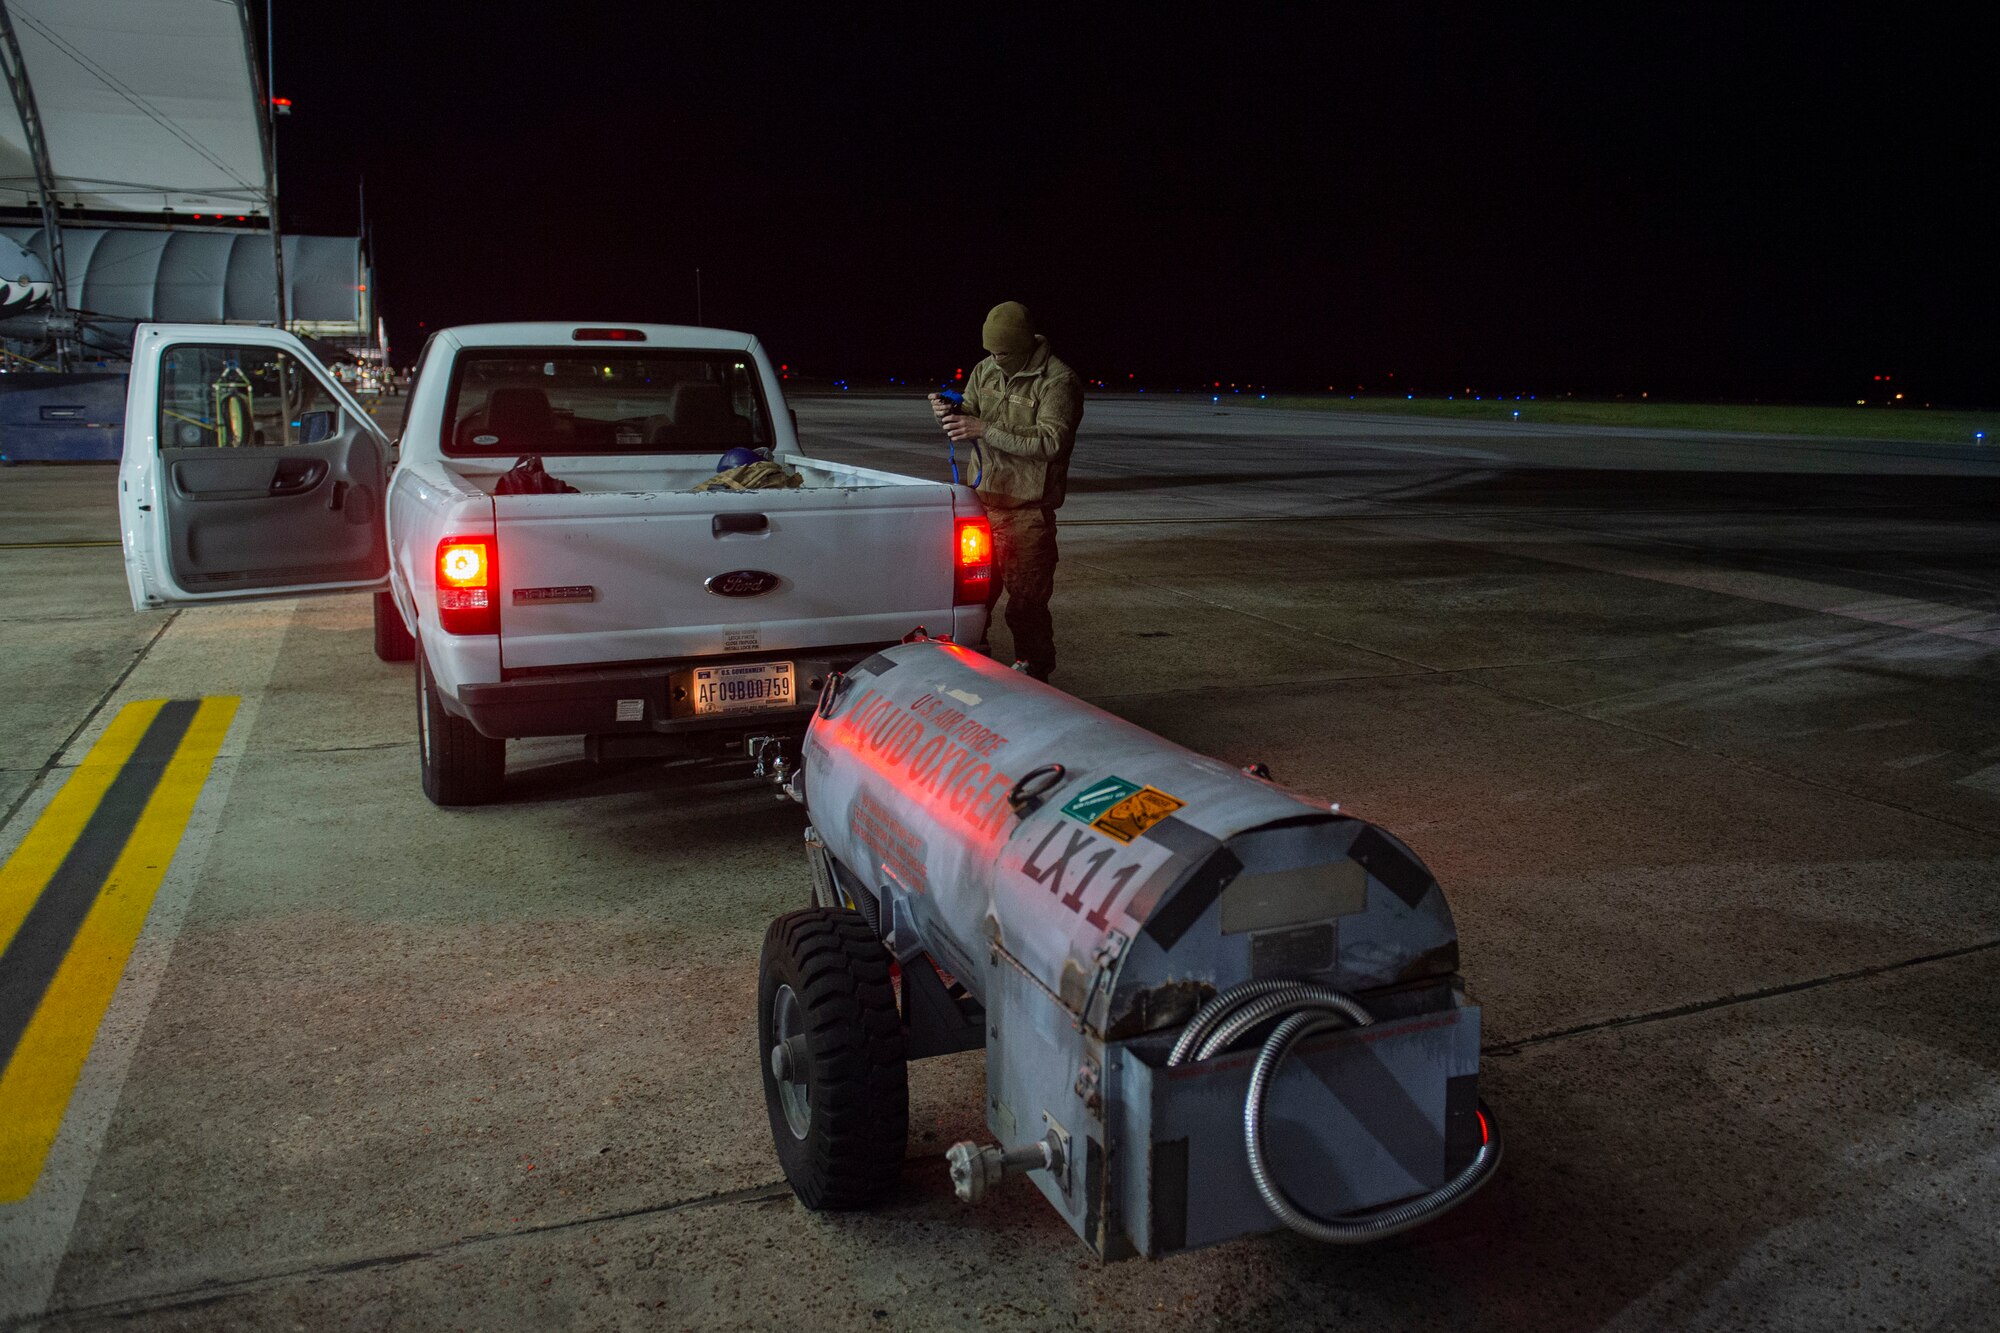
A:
[(744, 687)]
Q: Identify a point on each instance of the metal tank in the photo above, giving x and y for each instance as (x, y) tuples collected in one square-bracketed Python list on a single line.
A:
[(1210, 1006)]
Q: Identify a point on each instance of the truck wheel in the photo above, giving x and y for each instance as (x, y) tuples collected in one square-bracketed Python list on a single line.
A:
[(460, 766), (392, 641), (831, 1040)]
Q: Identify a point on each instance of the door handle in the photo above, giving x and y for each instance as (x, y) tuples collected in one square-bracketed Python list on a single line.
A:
[(724, 524), (297, 475)]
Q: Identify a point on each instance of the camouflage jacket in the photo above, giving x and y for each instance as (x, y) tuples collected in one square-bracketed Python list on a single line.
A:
[(1031, 418)]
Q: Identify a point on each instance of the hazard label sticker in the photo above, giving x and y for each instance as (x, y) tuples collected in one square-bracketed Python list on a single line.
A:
[(1119, 809)]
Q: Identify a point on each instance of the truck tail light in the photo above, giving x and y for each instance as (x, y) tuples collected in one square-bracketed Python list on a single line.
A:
[(972, 569), (468, 581)]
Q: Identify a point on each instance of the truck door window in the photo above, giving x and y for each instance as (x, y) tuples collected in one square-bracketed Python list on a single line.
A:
[(230, 397)]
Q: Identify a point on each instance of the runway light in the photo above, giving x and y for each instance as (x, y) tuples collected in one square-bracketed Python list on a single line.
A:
[(1517, 411)]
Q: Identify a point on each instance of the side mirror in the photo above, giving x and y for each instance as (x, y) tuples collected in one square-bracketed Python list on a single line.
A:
[(316, 426)]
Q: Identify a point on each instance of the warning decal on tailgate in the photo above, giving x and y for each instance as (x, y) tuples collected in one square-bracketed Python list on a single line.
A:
[(1120, 809)]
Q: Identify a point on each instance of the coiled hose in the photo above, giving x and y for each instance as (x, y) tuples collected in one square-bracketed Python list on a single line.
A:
[(1307, 1010)]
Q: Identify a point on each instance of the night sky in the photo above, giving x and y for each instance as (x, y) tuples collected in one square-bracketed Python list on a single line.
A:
[(1701, 204)]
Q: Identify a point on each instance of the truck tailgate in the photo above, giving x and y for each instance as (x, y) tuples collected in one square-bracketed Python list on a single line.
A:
[(632, 576)]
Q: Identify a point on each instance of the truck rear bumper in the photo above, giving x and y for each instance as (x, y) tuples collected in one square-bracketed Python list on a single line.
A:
[(636, 701)]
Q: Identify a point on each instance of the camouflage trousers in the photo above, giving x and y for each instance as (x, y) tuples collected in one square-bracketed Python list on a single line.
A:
[(1024, 568)]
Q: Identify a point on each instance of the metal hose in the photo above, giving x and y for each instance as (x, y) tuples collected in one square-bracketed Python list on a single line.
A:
[(1218, 1006), (1309, 1009), (1266, 1007)]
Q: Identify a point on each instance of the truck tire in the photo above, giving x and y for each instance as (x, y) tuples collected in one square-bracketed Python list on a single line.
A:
[(392, 641), (460, 766), (830, 1038)]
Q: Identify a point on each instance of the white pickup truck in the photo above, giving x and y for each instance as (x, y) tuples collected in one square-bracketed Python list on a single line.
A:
[(648, 617)]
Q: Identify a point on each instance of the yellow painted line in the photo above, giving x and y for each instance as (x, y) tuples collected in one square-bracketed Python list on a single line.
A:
[(36, 1086), (28, 870)]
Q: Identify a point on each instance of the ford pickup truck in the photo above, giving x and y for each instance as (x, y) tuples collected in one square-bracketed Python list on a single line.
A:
[(618, 602)]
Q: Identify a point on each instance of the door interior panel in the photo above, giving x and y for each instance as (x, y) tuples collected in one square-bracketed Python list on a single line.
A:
[(309, 513)]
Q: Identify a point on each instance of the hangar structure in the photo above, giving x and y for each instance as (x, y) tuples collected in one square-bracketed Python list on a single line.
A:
[(138, 182)]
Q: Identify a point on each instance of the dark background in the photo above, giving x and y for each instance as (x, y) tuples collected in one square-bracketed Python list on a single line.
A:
[(1701, 204)]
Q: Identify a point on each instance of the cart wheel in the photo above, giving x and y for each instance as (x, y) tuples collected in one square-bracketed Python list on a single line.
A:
[(836, 1084)]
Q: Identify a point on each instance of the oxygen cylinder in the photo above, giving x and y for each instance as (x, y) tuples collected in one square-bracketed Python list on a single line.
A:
[(1082, 888)]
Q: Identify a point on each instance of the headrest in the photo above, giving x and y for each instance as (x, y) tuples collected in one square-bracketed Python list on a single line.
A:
[(512, 413), (698, 407)]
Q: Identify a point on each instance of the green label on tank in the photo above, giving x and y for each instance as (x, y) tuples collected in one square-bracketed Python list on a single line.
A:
[(1098, 797)]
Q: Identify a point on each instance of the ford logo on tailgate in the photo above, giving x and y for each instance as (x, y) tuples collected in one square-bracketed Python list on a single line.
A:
[(742, 583)]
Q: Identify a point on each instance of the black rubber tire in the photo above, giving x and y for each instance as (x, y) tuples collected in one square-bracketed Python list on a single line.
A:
[(459, 766), (393, 642), (858, 1084)]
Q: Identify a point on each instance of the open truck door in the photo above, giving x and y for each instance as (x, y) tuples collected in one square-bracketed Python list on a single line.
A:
[(248, 471)]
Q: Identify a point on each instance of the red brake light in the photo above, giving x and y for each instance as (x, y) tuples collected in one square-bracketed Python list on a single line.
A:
[(609, 336), (468, 585), (972, 570)]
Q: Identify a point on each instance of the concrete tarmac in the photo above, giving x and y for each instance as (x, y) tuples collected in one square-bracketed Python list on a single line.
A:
[(1699, 734)]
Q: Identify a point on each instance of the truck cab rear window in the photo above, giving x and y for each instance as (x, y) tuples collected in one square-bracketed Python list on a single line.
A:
[(514, 401)]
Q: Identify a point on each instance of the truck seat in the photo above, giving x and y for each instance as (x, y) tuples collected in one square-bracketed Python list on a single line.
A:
[(702, 416), (521, 418)]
